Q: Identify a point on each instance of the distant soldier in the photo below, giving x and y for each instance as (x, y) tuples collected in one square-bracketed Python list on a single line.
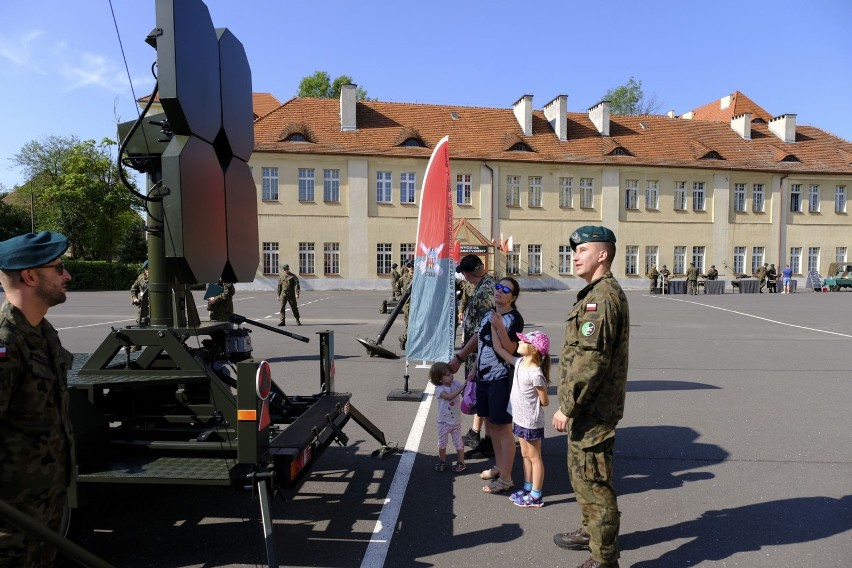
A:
[(288, 293), (665, 273), (653, 275), (692, 279), (404, 282), (772, 279), (712, 274), (221, 306), (139, 296), (761, 275), (395, 276), (36, 441)]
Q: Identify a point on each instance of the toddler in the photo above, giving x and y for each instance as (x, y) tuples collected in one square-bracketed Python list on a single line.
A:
[(448, 392)]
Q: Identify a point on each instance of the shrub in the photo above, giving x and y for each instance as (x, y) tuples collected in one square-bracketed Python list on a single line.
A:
[(101, 275)]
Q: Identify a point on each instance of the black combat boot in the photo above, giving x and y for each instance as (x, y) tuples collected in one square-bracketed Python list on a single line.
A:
[(576, 540)]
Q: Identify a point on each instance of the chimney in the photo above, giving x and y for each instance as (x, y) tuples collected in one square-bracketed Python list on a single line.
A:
[(599, 115), (671, 114), (523, 112), (347, 108), (742, 125), (784, 127), (556, 112), (688, 115), (725, 102)]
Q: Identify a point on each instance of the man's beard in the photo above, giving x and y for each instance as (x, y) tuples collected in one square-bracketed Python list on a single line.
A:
[(50, 296)]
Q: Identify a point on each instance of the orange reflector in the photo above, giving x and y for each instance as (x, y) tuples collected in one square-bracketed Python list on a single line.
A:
[(247, 415)]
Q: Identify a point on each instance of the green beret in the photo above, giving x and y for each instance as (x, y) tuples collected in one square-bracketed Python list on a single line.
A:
[(30, 251), (591, 234)]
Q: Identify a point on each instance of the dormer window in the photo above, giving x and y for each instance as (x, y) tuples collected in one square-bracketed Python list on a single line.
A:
[(520, 147), (296, 137), (413, 143), (620, 151), (790, 158), (712, 155)]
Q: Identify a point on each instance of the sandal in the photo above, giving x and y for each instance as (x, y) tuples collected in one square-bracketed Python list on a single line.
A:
[(440, 466), (499, 485), (490, 473), (459, 467)]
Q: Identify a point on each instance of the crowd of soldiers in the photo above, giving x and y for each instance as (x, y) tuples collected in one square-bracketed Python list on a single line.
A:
[(766, 274)]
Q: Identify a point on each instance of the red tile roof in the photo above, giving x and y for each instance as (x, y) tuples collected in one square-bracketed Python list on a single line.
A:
[(483, 134), (262, 103), (739, 104)]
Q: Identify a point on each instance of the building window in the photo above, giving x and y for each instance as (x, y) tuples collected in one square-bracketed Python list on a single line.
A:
[(698, 258), (587, 193), (535, 191), (756, 258), (813, 259), (331, 186), (306, 184), (513, 191), (513, 260), (406, 252), (651, 257), (796, 259), (813, 198), (840, 254), (739, 260), (796, 198), (384, 193), (631, 259), (566, 259), (331, 259), (840, 199), (270, 258), (679, 266), (698, 196), (739, 197), (652, 195), (306, 258), (384, 251), (680, 196), (407, 187), (631, 194), (757, 202), (566, 193), (269, 184), (463, 189), (533, 259)]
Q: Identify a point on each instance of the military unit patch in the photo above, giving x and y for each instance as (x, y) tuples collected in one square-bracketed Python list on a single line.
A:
[(587, 329), (3, 353)]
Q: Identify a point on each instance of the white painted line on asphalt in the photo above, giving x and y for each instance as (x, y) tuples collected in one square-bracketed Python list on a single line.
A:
[(270, 316), (753, 316), (377, 550)]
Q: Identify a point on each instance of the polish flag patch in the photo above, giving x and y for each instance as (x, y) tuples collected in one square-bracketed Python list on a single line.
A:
[(3, 353), (591, 307)]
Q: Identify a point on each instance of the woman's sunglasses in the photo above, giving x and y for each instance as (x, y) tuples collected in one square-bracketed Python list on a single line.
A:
[(502, 288)]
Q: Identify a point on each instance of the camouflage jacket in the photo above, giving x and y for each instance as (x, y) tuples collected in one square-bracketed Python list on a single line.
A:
[(139, 288), (692, 273), (479, 301), (221, 306), (288, 286), (36, 443), (593, 363)]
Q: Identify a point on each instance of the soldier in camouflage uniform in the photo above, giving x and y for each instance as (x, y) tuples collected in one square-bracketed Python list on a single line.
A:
[(653, 275), (591, 392), (221, 306), (139, 295), (478, 302), (288, 293), (761, 275), (692, 280), (36, 443), (404, 282), (395, 276)]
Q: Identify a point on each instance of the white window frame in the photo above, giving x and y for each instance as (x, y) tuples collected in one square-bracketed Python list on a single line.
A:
[(698, 196), (331, 259), (566, 192), (513, 191), (270, 257), (813, 259), (269, 184), (739, 260), (566, 260), (513, 260), (306, 258), (331, 186), (306, 184), (631, 194), (535, 198), (587, 193), (407, 187), (533, 259), (758, 201), (757, 258), (652, 257), (631, 259), (384, 255), (739, 197), (813, 198), (796, 259), (698, 253), (652, 195), (464, 189), (680, 196), (840, 254), (840, 199), (384, 186), (679, 263), (406, 252), (796, 198)]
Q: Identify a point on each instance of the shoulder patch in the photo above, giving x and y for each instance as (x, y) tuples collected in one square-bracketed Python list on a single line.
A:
[(3, 353), (591, 307), (588, 329)]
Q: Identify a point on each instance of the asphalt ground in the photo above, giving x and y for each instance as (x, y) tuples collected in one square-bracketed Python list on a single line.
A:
[(735, 448)]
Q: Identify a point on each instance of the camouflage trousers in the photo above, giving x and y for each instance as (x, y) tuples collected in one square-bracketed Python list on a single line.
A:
[(294, 307), (18, 548), (590, 472)]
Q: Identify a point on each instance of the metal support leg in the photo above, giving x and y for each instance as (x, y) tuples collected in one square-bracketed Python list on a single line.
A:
[(266, 517)]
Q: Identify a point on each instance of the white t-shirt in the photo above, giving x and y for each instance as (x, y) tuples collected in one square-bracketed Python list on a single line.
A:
[(449, 411), (524, 405)]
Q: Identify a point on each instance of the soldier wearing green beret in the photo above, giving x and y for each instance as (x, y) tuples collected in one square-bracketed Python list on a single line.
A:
[(221, 306), (591, 393), (36, 443)]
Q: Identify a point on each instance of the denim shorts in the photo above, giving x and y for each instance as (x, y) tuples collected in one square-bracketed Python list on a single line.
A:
[(492, 400), (528, 434)]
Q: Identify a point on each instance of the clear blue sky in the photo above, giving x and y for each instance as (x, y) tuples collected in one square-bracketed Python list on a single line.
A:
[(62, 73)]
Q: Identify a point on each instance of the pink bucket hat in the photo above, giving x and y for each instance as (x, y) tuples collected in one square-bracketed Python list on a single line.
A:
[(538, 340)]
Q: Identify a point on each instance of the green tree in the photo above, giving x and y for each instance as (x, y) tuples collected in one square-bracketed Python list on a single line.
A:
[(320, 86), (78, 193), (13, 219), (629, 99)]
